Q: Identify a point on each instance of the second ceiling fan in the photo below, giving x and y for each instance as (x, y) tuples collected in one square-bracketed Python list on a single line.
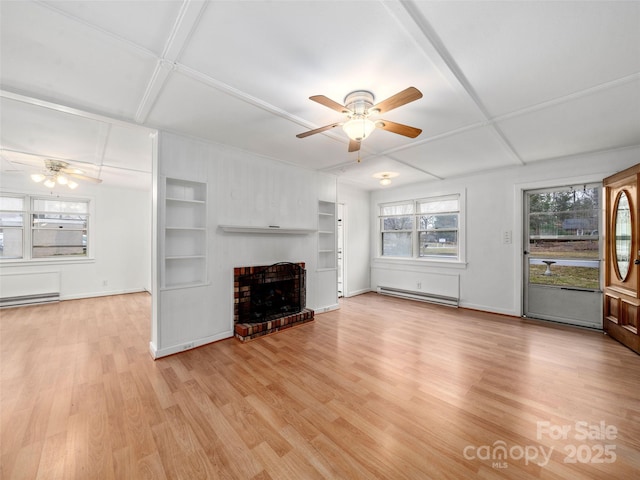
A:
[(359, 107)]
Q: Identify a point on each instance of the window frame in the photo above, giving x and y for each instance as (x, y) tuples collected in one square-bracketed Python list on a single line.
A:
[(458, 261), (382, 230), (28, 213)]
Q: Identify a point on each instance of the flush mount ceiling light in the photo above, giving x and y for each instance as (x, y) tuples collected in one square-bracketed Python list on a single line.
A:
[(385, 177), (358, 107)]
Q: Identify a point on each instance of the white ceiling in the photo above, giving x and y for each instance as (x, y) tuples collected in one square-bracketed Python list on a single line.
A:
[(505, 83)]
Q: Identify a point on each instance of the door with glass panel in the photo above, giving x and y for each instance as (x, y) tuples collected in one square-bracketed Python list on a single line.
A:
[(622, 257), (562, 255)]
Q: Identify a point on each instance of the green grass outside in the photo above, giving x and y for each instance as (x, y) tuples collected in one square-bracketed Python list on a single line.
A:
[(578, 277)]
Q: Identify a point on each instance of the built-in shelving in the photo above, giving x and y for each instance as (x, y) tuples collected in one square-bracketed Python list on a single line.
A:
[(326, 235), (185, 234)]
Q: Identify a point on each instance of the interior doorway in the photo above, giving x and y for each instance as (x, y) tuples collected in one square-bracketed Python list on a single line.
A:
[(562, 255), (341, 249)]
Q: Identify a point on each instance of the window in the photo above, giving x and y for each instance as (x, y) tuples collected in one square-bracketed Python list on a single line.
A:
[(59, 227), (424, 228), (11, 226), (396, 225)]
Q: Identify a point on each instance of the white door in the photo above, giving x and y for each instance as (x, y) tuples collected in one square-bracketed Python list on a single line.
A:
[(562, 255)]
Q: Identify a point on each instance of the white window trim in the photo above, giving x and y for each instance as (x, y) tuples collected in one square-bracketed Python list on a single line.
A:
[(27, 232), (457, 263)]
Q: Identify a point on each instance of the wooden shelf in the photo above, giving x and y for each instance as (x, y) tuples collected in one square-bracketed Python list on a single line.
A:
[(184, 200), (273, 229)]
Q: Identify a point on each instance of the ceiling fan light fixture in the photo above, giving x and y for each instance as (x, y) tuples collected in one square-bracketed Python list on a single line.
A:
[(49, 183), (62, 180), (359, 128), (37, 177), (385, 181), (71, 184)]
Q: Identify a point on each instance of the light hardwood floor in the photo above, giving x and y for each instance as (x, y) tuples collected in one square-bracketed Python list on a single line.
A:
[(381, 389)]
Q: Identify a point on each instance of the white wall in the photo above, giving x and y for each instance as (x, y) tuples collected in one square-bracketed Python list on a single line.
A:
[(243, 190), (120, 241), (357, 254), (491, 280)]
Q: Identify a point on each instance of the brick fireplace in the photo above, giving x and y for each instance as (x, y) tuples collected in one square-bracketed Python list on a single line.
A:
[(269, 298)]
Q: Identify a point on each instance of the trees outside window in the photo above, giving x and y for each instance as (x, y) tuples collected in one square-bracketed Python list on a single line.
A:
[(425, 228)]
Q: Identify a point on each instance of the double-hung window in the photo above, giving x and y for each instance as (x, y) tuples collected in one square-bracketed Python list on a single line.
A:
[(427, 228), (397, 224), (35, 227), (59, 228), (438, 220)]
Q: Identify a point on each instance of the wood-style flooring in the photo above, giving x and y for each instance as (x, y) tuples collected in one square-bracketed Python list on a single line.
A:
[(382, 388)]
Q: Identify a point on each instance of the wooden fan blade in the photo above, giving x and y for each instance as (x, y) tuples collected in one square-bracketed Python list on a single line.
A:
[(318, 130), (24, 163), (71, 171), (402, 98), (327, 102), (84, 177), (398, 128), (354, 145)]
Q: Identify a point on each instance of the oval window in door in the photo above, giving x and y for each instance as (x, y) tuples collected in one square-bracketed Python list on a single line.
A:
[(622, 235)]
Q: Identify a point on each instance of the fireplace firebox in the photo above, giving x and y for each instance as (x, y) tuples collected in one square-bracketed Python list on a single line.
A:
[(269, 298)]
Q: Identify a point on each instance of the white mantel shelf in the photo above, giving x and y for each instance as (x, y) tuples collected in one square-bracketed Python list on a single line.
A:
[(271, 229)]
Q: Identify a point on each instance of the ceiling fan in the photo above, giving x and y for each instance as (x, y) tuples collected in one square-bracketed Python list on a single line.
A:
[(61, 173), (53, 171), (359, 107)]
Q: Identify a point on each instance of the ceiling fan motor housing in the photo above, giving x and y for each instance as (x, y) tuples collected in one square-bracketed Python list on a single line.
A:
[(359, 102)]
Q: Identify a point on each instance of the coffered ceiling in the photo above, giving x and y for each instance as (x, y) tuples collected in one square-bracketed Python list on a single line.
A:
[(505, 83)]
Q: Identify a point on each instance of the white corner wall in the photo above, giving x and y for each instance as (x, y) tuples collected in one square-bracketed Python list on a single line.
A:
[(356, 225), (119, 242), (491, 280), (242, 190)]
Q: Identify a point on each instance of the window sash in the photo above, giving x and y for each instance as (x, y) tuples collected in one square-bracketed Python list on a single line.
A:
[(397, 244), (400, 223)]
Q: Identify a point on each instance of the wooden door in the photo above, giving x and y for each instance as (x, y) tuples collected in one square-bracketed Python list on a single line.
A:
[(622, 257)]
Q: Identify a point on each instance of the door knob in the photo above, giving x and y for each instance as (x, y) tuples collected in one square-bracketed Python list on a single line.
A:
[(636, 262)]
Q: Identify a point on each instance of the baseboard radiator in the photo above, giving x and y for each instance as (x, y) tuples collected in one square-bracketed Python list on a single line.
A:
[(421, 296), (29, 288)]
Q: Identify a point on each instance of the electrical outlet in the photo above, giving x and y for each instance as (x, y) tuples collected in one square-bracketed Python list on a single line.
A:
[(105, 283), (419, 285), (189, 345), (506, 237)]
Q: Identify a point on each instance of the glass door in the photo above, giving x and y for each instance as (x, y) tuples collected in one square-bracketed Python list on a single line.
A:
[(562, 255)]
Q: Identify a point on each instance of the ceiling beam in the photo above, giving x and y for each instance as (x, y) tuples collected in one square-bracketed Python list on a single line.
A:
[(183, 28), (411, 19)]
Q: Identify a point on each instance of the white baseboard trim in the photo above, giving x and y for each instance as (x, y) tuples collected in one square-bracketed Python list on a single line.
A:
[(183, 347), (326, 309), (485, 308), (102, 294), (357, 292)]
